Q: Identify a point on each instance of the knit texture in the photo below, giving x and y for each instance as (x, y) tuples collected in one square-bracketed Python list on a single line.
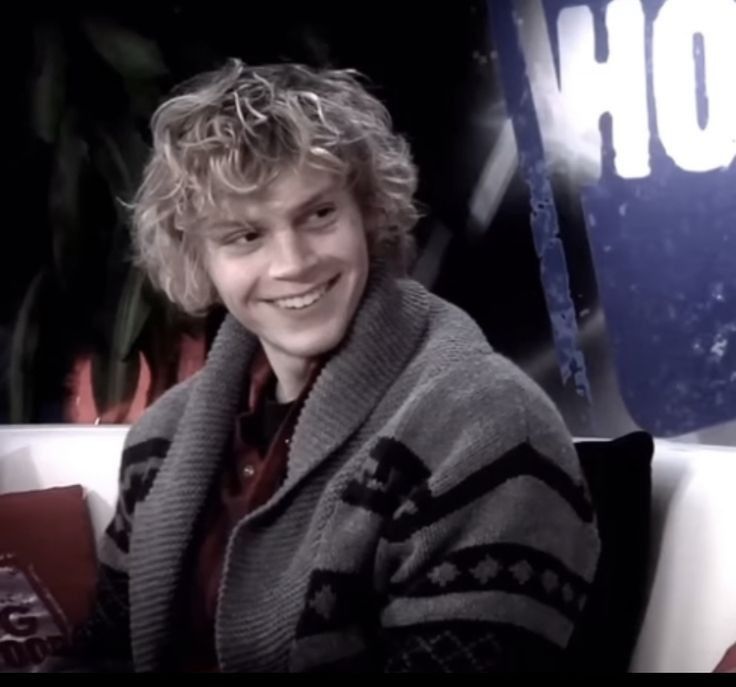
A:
[(434, 514)]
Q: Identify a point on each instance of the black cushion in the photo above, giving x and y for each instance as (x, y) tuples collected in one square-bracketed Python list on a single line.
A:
[(619, 473)]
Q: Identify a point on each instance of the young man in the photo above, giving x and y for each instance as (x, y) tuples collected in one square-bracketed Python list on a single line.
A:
[(354, 481)]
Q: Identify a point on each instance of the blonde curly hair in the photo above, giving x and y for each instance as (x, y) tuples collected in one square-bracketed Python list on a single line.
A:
[(233, 130)]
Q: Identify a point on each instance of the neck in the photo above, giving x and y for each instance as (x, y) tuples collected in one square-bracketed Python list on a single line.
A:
[(292, 373)]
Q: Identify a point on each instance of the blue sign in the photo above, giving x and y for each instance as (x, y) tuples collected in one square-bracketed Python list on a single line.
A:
[(635, 100)]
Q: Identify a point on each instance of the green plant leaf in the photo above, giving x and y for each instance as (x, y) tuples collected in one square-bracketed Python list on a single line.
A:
[(119, 154), (131, 55), (48, 89), (145, 97), (115, 370), (113, 381), (133, 311), (23, 349), (64, 198)]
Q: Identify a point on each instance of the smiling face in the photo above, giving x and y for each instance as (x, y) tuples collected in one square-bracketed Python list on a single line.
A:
[(290, 262)]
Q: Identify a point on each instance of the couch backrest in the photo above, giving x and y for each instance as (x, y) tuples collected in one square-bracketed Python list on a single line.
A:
[(690, 620), (691, 616), (40, 456)]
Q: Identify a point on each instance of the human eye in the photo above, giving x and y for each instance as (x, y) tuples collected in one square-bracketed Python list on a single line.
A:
[(322, 215), (246, 236), (242, 237)]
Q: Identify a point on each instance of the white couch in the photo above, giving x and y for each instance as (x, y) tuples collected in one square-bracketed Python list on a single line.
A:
[(691, 616)]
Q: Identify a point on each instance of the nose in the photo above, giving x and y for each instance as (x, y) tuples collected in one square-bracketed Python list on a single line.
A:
[(291, 256)]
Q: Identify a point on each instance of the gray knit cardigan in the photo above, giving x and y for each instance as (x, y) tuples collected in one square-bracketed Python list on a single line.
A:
[(434, 515)]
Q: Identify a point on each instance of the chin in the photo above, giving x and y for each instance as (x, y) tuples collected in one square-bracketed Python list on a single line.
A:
[(315, 346)]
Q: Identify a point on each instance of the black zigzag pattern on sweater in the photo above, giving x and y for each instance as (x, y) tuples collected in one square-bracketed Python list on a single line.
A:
[(394, 471), (425, 508), (511, 568), (140, 465), (137, 487), (144, 451)]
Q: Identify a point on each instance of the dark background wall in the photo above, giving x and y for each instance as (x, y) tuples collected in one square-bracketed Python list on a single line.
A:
[(85, 82)]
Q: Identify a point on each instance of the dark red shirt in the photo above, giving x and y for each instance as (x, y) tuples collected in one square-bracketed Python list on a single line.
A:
[(254, 471)]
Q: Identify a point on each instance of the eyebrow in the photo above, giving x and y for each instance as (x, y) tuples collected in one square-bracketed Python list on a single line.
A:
[(221, 225)]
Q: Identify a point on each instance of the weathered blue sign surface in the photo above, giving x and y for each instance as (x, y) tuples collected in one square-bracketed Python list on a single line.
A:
[(635, 100)]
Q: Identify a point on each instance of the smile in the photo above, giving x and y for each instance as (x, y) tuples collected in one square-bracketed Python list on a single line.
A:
[(304, 300)]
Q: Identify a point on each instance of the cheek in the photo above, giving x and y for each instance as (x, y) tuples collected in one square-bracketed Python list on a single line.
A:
[(354, 245), (230, 280), (215, 273)]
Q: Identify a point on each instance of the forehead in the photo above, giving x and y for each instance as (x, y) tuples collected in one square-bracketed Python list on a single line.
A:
[(290, 191)]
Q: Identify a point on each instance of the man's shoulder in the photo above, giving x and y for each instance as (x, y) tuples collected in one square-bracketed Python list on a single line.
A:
[(456, 353), (486, 387), (461, 396), (164, 413), (152, 433)]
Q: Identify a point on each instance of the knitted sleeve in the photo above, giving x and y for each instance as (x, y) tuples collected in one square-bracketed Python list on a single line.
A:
[(492, 555)]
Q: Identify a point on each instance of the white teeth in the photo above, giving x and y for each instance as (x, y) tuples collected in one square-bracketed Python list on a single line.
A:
[(299, 302)]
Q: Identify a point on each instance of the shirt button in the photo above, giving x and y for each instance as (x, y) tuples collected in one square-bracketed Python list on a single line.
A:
[(249, 471)]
